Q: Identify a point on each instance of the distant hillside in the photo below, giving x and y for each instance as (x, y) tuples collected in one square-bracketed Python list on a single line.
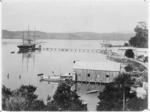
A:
[(73, 36)]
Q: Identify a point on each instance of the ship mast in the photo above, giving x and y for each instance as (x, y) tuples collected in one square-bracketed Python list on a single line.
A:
[(34, 35), (28, 30), (23, 36), (28, 40)]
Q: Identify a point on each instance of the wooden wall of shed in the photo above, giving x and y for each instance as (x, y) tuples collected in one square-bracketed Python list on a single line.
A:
[(95, 75)]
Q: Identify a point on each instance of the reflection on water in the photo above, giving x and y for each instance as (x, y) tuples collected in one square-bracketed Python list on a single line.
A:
[(27, 57), (8, 76)]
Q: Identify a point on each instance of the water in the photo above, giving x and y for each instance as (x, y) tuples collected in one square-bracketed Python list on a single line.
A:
[(24, 67)]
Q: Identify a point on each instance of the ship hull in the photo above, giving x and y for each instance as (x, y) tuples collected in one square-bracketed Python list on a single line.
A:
[(26, 47), (52, 79)]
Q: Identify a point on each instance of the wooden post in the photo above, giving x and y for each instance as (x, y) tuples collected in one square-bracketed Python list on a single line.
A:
[(123, 90), (75, 86), (76, 77), (8, 76), (123, 99), (19, 76)]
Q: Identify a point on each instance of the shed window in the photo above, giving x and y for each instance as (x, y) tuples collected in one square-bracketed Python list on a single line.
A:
[(88, 75), (97, 76), (107, 76)]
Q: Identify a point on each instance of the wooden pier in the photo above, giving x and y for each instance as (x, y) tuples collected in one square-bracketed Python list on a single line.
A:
[(73, 50)]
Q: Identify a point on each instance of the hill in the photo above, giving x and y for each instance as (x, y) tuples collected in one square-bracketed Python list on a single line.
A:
[(73, 36)]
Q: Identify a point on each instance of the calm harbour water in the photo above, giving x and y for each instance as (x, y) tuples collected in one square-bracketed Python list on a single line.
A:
[(24, 67)]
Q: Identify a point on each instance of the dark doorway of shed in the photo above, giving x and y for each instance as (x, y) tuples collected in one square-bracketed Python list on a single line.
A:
[(88, 75), (107, 76)]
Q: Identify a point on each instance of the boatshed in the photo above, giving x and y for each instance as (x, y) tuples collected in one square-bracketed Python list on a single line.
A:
[(97, 72)]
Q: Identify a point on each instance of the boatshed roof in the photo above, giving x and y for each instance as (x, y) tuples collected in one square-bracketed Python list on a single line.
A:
[(105, 66)]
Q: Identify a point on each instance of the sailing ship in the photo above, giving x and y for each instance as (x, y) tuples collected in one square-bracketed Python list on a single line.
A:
[(106, 43), (28, 42)]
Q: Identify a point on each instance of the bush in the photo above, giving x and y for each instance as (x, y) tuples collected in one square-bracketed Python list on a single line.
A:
[(137, 104), (6, 93), (126, 44), (129, 53), (146, 59), (22, 99), (129, 68)]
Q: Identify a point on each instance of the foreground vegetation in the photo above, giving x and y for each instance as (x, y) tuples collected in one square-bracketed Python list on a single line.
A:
[(117, 96), (25, 99)]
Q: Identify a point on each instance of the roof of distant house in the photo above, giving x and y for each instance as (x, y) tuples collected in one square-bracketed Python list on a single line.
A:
[(105, 66), (142, 49), (136, 49)]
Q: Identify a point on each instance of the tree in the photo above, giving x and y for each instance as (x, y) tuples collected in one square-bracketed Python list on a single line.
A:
[(141, 37), (129, 53), (145, 75), (28, 92), (6, 93), (108, 99), (137, 104), (22, 99), (146, 59), (37, 105), (115, 94), (129, 68), (66, 100), (126, 44)]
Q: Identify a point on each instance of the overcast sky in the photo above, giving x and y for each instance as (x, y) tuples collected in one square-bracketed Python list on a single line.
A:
[(74, 15)]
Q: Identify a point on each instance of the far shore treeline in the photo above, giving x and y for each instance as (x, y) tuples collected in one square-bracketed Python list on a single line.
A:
[(6, 34), (138, 39)]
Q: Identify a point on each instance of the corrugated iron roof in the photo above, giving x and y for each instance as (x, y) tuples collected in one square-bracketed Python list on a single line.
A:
[(105, 66)]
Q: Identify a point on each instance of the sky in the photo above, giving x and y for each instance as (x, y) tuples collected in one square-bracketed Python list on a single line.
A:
[(74, 15)]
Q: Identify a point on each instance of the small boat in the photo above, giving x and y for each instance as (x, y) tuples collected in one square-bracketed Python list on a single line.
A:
[(12, 52), (93, 91), (47, 82), (40, 74), (58, 78)]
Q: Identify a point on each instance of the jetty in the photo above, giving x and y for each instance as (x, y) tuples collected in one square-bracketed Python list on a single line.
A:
[(74, 50)]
